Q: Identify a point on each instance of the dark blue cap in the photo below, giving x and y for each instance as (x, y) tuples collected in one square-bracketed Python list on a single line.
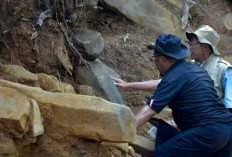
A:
[(170, 45)]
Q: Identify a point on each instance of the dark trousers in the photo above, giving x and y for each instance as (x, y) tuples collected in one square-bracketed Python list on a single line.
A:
[(214, 140)]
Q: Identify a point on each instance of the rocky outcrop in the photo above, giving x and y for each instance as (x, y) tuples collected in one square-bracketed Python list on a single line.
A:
[(147, 13), (97, 75), (46, 104), (83, 116), (49, 83)]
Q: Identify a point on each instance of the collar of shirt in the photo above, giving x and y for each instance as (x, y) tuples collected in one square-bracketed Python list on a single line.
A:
[(174, 65)]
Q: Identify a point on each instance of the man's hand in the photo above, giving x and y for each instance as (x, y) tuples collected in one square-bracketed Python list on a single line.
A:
[(150, 85), (120, 83)]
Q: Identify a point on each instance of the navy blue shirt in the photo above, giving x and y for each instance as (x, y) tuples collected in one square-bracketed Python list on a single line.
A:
[(189, 91)]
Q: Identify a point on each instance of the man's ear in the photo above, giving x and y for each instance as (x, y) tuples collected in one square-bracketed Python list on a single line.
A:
[(164, 59)]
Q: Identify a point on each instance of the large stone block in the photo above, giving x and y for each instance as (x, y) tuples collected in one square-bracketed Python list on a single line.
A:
[(147, 13), (97, 75), (84, 116)]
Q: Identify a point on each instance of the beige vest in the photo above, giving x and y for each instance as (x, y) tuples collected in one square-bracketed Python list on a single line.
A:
[(216, 68)]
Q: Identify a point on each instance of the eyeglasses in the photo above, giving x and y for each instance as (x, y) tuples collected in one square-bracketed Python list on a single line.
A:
[(193, 43)]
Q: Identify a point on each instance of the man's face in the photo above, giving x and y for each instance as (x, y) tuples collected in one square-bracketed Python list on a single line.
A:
[(195, 49), (159, 63)]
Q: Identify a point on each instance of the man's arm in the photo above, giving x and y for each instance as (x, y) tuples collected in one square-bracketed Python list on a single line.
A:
[(144, 115), (150, 85)]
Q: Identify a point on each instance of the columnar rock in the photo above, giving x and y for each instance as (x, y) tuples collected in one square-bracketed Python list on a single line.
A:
[(37, 126), (84, 116), (97, 75), (147, 13), (90, 43)]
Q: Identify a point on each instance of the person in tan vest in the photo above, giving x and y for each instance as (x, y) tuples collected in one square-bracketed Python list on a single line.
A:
[(203, 50)]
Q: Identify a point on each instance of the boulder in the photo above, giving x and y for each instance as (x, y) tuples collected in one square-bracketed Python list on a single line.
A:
[(84, 116), (90, 43), (18, 74), (97, 75), (147, 13), (48, 82), (67, 88), (52, 84)]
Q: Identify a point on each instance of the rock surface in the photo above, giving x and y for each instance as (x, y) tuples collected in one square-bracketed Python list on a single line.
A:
[(98, 76), (49, 82), (18, 73), (86, 90), (91, 43), (147, 13), (14, 112), (84, 116), (143, 145), (37, 126)]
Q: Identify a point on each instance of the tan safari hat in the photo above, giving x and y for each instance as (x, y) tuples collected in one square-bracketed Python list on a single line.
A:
[(206, 35)]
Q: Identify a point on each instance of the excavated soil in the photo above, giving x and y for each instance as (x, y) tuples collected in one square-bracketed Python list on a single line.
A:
[(125, 52)]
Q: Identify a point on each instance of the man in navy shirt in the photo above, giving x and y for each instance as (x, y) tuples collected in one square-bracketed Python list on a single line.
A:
[(205, 125)]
